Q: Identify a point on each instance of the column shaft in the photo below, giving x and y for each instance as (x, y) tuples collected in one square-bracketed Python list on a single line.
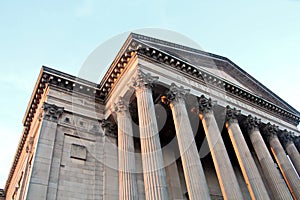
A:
[(126, 157), (294, 155), (225, 173), (285, 166), (227, 179), (273, 178), (250, 172), (192, 167), (152, 159)]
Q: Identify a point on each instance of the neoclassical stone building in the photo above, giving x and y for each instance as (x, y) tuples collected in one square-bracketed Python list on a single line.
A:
[(165, 122)]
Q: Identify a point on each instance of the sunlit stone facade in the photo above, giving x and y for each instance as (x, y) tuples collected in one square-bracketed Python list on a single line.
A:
[(165, 122)]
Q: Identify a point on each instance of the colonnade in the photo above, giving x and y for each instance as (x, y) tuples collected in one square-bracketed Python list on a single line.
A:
[(152, 158)]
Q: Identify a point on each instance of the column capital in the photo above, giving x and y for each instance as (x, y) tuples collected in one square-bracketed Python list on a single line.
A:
[(109, 128), (52, 112), (286, 137), (297, 142), (271, 131), (206, 104), (142, 80), (120, 106), (232, 114), (175, 93), (252, 123)]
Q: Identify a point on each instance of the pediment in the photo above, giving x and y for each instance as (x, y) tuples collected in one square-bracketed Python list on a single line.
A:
[(219, 66), (218, 71)]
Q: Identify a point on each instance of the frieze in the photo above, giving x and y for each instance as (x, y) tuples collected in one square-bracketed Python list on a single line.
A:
[(80, 123)]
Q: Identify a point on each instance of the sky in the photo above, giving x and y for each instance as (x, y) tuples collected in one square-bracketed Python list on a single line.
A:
[(262, 37)]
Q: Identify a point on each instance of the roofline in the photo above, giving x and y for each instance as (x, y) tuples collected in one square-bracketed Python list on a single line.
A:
[(214, 56)]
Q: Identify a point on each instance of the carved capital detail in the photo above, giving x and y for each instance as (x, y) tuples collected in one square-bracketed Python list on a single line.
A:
[(175, 93), (271, 131), (252, 123), (52, 112), (143, 80), (286, 137), (232, 114), (109, 128), (120, 106), (206, 104), (296, 140)]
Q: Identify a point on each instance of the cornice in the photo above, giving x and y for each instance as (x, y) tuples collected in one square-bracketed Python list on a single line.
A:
[(138, 48), (53, 78), (220, 61)]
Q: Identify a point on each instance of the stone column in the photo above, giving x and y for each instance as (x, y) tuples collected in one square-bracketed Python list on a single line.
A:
[(296, 141), (272, 175), (192, 167), (250, 172), (287, 141), (282, 160), (126, 157), (226, 176), (38, 186), (152, 159)]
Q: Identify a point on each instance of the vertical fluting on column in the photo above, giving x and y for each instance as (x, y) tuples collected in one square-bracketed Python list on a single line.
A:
[(282, 160), (126, 157), (287, 141), (250, 172), (272, 175), (192, 167), (225, 173), (152, 158), (296, 141)]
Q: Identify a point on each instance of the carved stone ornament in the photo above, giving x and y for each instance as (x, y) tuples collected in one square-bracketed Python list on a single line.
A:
[(286, 137), (109, 128), (175, 93), (120, 105), (232, 114), (52, 112), (270, 131), (252, 123), (206, 104), (297, 142), (143, 80)]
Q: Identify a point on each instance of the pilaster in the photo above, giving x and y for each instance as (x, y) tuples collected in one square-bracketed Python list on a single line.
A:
[(40, 175)]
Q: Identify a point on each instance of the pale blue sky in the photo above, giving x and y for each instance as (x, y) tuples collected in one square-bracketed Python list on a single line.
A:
[(263, 38)]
